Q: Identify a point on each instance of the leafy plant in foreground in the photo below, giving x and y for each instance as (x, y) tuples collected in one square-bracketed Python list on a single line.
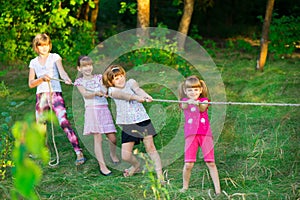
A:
[(159, 191), (29, 140)]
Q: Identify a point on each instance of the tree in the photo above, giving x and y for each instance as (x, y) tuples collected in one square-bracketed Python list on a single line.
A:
[(143, 17), (20, 21), (84, 12), (185, 21), (264, 39)]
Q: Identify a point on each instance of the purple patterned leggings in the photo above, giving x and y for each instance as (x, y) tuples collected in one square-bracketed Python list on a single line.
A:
[(43, 102)]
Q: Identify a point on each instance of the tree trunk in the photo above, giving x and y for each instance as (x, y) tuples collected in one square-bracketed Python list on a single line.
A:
[(143, 18), (86, 12), (94, 14), (264, 39), (185, 21), (155, 13)]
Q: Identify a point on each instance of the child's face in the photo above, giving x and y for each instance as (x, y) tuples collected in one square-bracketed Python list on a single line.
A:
[(86, 70), (119, 81), (193, 93), (43, 49)]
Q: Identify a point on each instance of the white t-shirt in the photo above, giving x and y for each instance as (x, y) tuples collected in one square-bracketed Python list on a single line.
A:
[(94, 85), (50, 69), (128, 112)]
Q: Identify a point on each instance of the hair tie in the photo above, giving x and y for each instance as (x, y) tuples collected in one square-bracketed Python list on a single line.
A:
[(114, 68)]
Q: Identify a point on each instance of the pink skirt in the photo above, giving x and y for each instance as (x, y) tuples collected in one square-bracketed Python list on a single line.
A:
[(98, 119)]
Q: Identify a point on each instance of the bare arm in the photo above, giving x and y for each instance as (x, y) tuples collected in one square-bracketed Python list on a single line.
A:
[(33, 82), (203, 107), (184, 105), (118, 94), (140, 92), (89, 94), (63, 74)]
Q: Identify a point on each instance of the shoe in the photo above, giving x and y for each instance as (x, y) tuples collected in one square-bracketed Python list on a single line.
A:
[(108, 174), (116, 163), (80, 159)]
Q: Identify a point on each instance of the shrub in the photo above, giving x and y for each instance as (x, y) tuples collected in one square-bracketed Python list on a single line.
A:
[(283, 35), (20, 21)]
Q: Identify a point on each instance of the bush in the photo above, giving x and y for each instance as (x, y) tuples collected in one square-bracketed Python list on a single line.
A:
[(20, 21), (283, 35)]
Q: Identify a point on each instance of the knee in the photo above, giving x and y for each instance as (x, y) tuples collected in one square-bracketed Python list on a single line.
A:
[(188, 166), (211, 165), (113, 140)]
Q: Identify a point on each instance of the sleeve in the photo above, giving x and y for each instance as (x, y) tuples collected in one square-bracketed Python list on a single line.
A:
[(183, 105), (77, 82), (31, 64), (56, 57), (204, 99)]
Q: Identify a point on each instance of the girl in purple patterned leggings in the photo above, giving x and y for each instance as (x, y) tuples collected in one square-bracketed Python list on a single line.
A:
[(42, 71)]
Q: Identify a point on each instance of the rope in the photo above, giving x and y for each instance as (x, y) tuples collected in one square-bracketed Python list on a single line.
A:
[(230, 103), (50, 163), (221, 103)]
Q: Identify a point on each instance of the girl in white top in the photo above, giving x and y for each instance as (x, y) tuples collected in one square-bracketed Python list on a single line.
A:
[(132, 117), (97, 117), (42, 71)]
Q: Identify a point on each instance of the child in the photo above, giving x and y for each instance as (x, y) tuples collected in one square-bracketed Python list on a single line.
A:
[(197, 131), (42, 70), (98, 119), (132, 117)]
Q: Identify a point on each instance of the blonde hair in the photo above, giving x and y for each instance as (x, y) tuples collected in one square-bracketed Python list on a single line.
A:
[(110, 73), (84, 61), (41, 39), (192, 82)]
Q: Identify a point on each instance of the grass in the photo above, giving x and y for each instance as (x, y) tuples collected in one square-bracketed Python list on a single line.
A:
[(257, 153)]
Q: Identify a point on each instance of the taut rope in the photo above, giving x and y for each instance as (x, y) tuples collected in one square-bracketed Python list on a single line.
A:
[(230, 103)]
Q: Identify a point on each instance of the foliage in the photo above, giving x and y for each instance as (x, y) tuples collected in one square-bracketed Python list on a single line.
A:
[(283, 35), (3, 90), (132, 7), (20, 21), (156, 53), (29, 140), (6, 137), (153, 184)]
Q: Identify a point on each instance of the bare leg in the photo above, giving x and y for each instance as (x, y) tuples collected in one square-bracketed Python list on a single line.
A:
[(151, 150), (99, 153), (127, 156), (186, 175), (112, 146), (215, 176)]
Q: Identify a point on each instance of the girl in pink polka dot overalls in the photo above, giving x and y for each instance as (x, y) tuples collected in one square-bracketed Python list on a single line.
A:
[(197, 131)]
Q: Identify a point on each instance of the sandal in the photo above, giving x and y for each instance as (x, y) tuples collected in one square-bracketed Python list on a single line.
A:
[(130, 171), (80, 159)]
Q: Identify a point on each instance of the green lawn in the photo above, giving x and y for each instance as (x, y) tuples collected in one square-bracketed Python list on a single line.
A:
[(257, 153)]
